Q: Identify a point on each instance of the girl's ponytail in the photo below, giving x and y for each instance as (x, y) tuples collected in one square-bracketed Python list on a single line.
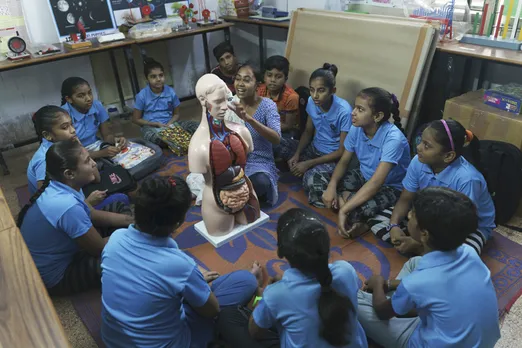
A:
[(334, 309)]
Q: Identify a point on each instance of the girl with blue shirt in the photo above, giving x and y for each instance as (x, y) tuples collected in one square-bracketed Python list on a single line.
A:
[(439, 162), (58, 226), (155, 295), (89, 116), (53, 124), (315, 303), (321, 144), (157, 105), (443, 299), (263, 121), (384, 155)]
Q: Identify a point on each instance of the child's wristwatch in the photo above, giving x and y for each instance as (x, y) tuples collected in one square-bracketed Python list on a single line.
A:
[(389, 228)]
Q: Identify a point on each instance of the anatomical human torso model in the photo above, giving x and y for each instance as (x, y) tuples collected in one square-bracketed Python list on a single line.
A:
[(219, 150)]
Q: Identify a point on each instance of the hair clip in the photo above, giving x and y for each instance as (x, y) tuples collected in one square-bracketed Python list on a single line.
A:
[(172, 182), (394, 98)]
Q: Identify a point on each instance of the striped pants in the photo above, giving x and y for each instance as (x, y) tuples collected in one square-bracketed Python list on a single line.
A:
[(381, 221), (84, 271), (352, 182)]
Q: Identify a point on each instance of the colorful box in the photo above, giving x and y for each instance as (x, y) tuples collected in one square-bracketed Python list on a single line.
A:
[(486, 122), (507, 97)]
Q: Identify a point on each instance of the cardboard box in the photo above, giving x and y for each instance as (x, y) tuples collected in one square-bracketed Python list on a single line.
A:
[(486, 122), (507, 97)]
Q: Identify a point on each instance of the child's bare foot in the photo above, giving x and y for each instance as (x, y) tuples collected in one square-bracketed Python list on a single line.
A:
[(257, 271)]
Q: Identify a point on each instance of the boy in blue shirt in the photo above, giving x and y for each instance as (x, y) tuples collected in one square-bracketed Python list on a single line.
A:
[(157, 106), (442, 299), (155, 295)]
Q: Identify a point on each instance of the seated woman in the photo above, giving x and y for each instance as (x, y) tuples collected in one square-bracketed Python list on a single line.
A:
[(442, 299), (440, 163), (321, 144), (153, 294), (53, 124), (262, 120), (57, 225), (384, 155), (313, 305), (89, 116)]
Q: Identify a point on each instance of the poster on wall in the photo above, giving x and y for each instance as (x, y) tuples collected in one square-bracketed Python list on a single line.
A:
[(125, 10), (95, 15), (11, 23)]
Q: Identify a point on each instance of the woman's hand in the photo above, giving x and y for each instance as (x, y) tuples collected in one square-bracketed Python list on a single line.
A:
[(96, 197), (241, 112), (156, 125), (330, 197)]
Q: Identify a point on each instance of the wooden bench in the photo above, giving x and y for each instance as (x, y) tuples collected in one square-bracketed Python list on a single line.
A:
[(27, 315)]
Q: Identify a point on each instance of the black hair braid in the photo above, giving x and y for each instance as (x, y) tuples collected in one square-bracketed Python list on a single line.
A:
[(395, 112), (45, 118), (32, 200)]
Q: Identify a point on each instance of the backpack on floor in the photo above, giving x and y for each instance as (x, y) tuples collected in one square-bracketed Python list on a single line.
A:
[(140, 158), (502, 166), (304, 94), (114, 179)]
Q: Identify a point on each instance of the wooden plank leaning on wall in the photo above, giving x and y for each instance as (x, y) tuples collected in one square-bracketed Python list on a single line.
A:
[(27, 315)]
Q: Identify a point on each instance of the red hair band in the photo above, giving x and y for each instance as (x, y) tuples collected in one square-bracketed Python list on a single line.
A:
[(172, 182)]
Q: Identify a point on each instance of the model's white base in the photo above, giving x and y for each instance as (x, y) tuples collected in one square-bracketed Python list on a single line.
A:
[(239, 230)]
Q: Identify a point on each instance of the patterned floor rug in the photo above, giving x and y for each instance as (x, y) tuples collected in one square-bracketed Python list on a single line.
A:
[(366, 254)]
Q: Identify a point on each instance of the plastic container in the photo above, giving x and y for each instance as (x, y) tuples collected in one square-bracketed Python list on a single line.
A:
[(150, 29)]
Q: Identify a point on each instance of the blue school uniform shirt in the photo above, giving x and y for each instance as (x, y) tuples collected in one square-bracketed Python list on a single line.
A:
[(460, 176), (50, 228), (157, 107), (87, 125), (387, 145), (290, 305), (36, 167), (329, 125), (145, 282), (454, 298)]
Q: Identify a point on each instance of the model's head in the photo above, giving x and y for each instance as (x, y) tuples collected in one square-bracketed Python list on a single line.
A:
[(212, 94)]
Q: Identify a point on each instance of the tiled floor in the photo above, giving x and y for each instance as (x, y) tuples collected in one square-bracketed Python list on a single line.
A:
[(78, 335)]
